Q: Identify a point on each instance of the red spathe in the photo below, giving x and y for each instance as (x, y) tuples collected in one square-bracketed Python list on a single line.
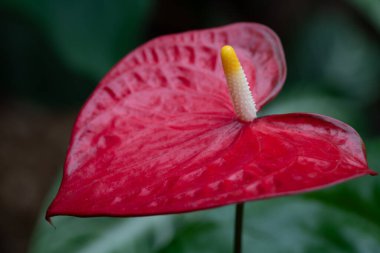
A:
[(159, 134)]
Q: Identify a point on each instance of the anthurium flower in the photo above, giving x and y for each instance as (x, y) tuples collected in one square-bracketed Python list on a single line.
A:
[(170, 130)]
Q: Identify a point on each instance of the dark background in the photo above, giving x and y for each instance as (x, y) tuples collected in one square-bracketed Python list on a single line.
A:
[(53, 53)]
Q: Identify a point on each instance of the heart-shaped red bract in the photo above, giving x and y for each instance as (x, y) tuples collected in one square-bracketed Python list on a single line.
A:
[(159, 134)]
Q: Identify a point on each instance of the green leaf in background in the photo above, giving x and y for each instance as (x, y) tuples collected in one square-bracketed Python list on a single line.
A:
[(313, 102), (370, 9), (89, 35), (304, 99), (373, 149), (335, 52), (341, 219)]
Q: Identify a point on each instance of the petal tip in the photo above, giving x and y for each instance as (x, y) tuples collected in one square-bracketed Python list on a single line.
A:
[(48, 218), (372, 173)]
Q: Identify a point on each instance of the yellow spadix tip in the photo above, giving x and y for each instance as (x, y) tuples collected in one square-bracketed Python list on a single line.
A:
[(230, 61), (238, 86)]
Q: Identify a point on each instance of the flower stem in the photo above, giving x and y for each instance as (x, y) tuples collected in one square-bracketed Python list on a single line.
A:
[(238, 227)]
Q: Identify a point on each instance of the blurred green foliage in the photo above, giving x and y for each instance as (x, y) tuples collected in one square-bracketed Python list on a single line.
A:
[(55, 52), (333, 52), (89, 36), (73, 45), (369, 8)]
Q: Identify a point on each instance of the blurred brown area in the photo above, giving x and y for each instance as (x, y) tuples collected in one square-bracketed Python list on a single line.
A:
[(32, 148)]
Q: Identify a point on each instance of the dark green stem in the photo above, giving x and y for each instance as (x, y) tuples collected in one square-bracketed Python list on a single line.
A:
[(238, 227)]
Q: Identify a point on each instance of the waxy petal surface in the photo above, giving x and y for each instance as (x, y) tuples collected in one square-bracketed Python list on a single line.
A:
[(159, 134), (190, 61), (234, 162)]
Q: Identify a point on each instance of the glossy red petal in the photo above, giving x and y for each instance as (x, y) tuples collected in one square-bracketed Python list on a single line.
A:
[(229, 162), (162, 109), (190, 61)]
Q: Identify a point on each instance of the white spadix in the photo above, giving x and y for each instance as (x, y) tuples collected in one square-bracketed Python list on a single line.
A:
[(238, 86)]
